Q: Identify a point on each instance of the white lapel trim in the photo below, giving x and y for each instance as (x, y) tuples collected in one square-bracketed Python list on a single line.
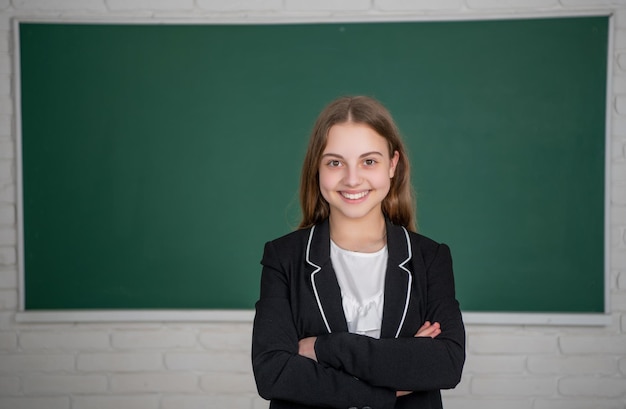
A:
[(317, 269), (410, 281)]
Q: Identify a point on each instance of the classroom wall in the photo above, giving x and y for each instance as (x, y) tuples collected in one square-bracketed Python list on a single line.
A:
[(167, 365)]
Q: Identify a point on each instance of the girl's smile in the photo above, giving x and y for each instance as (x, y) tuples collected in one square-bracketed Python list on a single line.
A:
[(355, 196)]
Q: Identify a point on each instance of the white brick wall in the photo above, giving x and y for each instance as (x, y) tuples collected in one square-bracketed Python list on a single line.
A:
[(185, 365)]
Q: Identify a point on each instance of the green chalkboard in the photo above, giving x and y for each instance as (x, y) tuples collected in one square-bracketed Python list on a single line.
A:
[(156, 160)]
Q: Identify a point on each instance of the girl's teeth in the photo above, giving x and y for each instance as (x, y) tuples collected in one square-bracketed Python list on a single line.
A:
[(354, 196)]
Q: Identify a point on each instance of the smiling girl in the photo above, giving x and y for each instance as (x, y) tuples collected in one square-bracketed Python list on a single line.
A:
[(356, 309)]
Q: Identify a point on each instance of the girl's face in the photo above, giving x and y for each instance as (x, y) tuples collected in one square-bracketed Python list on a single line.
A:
[(355, 171)]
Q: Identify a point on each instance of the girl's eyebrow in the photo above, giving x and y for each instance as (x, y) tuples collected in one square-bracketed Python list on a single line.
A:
[(336, 155)]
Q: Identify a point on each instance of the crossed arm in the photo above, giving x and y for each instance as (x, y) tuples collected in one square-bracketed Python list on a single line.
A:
[(306, 346)]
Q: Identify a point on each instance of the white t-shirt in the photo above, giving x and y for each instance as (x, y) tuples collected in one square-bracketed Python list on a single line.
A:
[(361, 277)]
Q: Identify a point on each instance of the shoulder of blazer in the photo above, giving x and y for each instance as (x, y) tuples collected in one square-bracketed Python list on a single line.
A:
[(424, 248), (296, 238), (426, 243), (287, 249)]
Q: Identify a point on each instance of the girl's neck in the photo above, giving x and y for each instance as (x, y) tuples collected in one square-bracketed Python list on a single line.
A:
[(363, 236)]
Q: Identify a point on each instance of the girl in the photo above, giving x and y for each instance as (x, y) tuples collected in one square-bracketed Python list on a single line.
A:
[(356, 309)]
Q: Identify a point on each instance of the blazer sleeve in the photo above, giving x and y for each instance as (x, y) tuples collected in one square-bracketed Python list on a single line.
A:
[(409, 363), (280, 372)]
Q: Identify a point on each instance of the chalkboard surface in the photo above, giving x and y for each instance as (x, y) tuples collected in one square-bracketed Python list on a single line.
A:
[(158, 159)]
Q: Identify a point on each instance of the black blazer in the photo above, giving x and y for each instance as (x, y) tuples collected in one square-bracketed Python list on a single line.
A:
[(300, 297)]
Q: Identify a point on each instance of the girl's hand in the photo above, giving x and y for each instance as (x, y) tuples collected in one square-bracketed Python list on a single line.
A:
[(428, 330), (306, 348)]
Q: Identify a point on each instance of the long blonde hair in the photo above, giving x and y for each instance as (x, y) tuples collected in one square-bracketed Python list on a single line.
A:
[(399, 204)]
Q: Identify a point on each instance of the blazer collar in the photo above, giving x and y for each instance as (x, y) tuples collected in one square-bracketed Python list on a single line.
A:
[(398, 279)]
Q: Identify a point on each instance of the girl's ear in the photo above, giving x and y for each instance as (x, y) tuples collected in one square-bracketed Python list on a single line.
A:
[(394, 162)]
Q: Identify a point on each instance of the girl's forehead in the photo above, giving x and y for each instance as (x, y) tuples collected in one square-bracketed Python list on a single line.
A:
[(353, 136)]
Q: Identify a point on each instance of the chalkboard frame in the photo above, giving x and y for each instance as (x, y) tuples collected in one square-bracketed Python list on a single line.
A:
[(245, 316)]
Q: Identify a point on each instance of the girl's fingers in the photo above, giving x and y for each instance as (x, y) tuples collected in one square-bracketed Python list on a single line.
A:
[(429, 330)]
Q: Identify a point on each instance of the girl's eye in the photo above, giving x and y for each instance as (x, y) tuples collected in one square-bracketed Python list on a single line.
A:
[(334, 163), (369, 162)]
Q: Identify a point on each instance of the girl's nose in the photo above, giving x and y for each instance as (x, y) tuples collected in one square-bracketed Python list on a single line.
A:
[(352, 177)]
